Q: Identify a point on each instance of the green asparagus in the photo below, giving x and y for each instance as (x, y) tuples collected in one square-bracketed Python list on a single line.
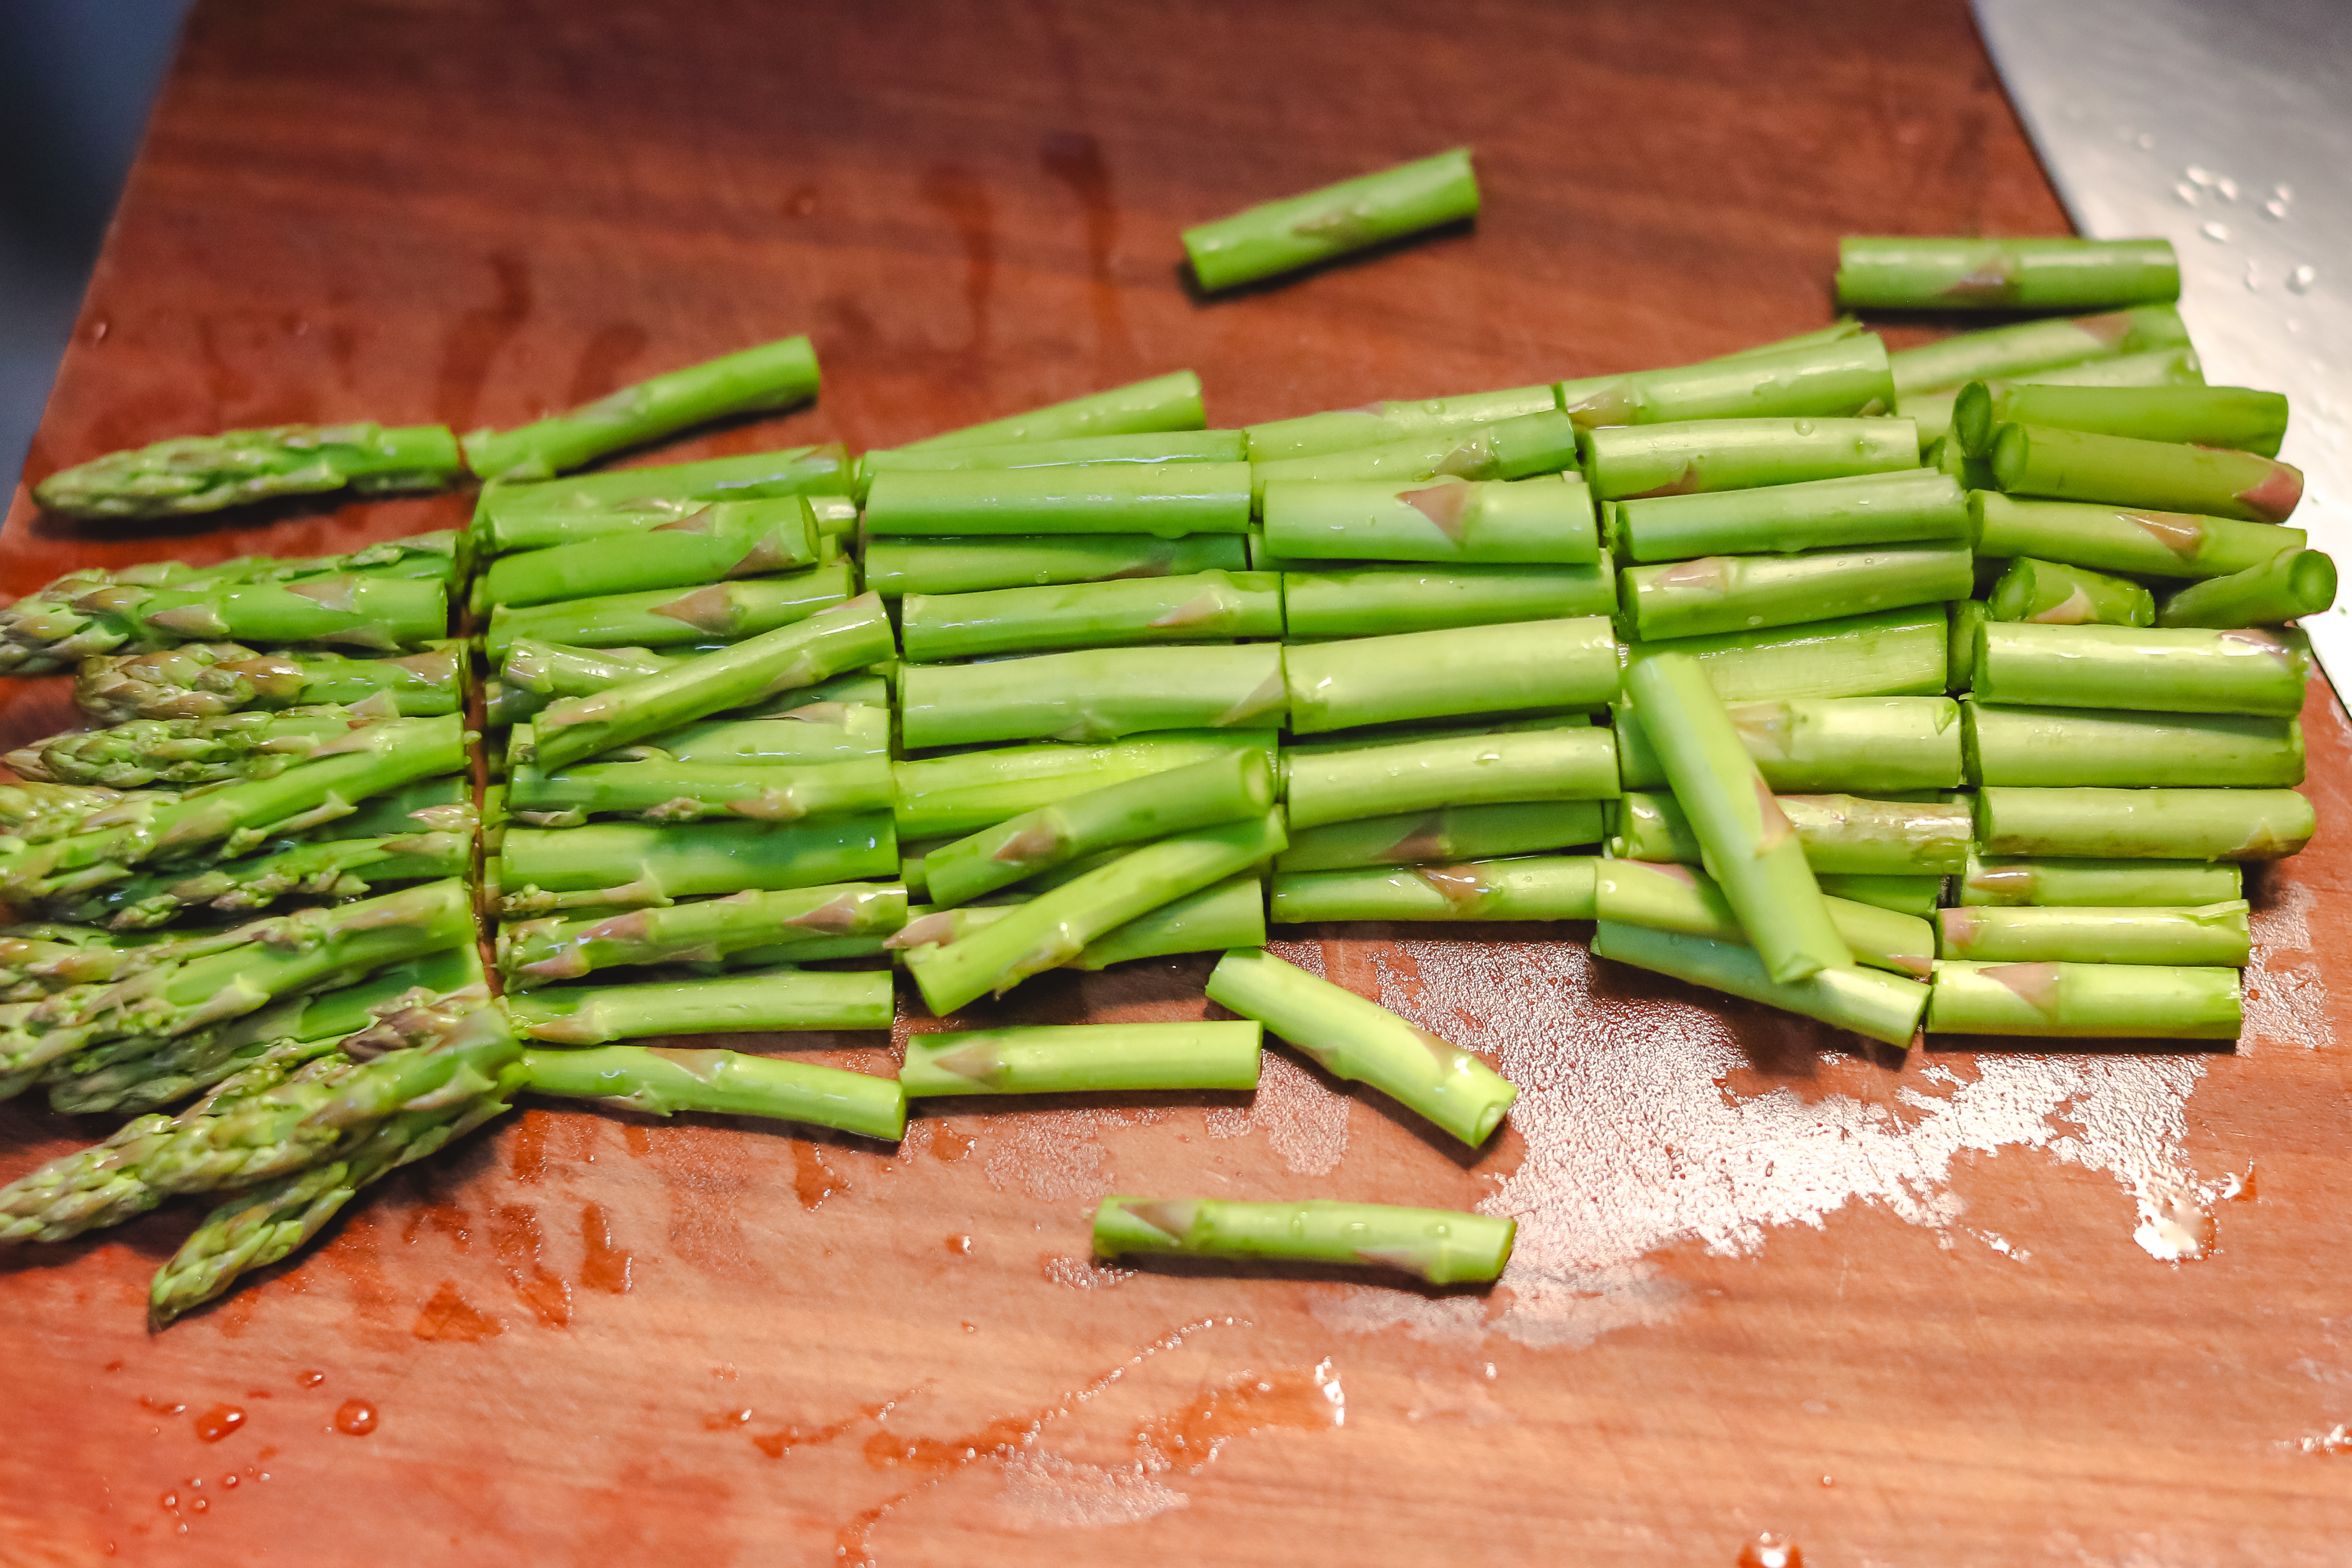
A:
[(1470, 670), (539, 516), (1535, 888), (2207, 934), (784, 999), (1374, 600), (1893, 654), (1515, 448), (204, 680), (1842, 376), (661, 1082), (2070, 746), (1083, 1059), (1455, 833), (1842, 833), (1545, 521), (1933, 411), (1862, 745), (895, 567), (2159, 475), (1676, 898), (1299, 231), (192, 474), (2099, 884), (724, 539), (2115, 539), (2052, 593), (2230, 417), (719, 611), (1145, 447), (1574, 763), (1171, 402), (1351, 429), (1629, 462), (1165, 500), (541, 952), (183, 752), (2117, 1001), (2291, 584), (2175, 672), (1720, 593), (2031, 347), (58, 627), (1097, 694), (1207, 607), (1889, 273), (1916, 896), (1875, 1005), (2144, 824), (1907, 507), (1439, 1247), (630, 864)]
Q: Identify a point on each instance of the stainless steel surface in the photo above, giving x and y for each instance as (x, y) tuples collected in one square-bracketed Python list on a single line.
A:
[(2227, 129)]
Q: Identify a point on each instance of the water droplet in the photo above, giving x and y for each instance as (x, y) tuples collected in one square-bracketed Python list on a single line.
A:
[(2284, 193), (310, 1379), (2214, 231), (2276, 210), (218, 1422), (2187, 193), (2227, 187), (2197, 175), (2302, 279), (2254, 277), (355, 1418), (1770, 1551), (2145, 139)]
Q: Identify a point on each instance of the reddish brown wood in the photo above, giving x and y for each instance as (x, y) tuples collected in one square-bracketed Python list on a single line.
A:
[(1760, 1287)]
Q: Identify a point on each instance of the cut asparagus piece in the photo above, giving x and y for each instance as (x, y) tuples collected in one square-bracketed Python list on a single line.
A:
[(337, 868), (1892, 654), (722, 541), (2204, 935), (1538, 888), (193, 474), (441, 804), (662, 1082), (2175, 672), (1442, 1246), (632, 500), (1875, 1005), (1841, 376), (1860, 745), (895, 567), (1231, 913), (2072, 746), (1515, 448), (772, 376), (37, 812), (184, 752), (952, 795), (2032, 347), (1631, 462), (1460, 833), (847, 636), (1165, 500), (1230, 786), (1576, 763), (543, 951), (2052, 593), (1097, 694), (2099, 884), (1203, 608), (1903, 273), (1299, 231), (668, 790), (1673, 897), (719, 611), (1350, 429), (71, 620), (630, 863), (1906, 506), (1373, 600), (1053, 929), (1545, 521), (1968, 616), (2237, 417), (2114, 539), (1353, 1038), (1171, 402), (2291, 584), (1720, 593), (1146, 447), (1916, 896), (2144, 824), (2154, 367), (826, 730), (1083, 1059), (782, 1000), (1840, 833), (2114, 1001), (2158, 476), (203, 680), (1470, 670)]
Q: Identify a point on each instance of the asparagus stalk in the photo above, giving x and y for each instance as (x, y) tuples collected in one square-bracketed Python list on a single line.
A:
[(2144, 824), (828, 730), (2291, 585), (2175, 672), (1300, 231), (772, 376), (204, 680), (2155, 367), (58, 627), (1545, 521), (780, 1000), (1457, 834), (1515, 448), (847, 636), (1148, 447), (1231, 913), (1839, 833), (1968, 616), (2115, 1001), (1463, 672), (193, 474), (2235, 418), (1823, 745), (2054, 594), (1895, 653), (1350, 429), (1442, 1246), (2206, 934), (1538, 888), (184, 751), (1891, 273), (443, 802), (513, 516), (1633, 461), (2032, 347), (2098, 884), (1842, 376), (1352, 1038), (1171, 402), (2114, 539), (1908, 507), (1875, 1005), (662, 1082), (1372, 600), (337, 868), (1206, 606), (896, 567), (2162, 476), (668, 790), (542, 952), (1575, 762), (630, 864), (720, 612), (1167, 500), (1097, 694), (1082, 1058), (36, 812), (722, 540), (1231, 785), (1676, 898), (1721, 593), (949, 797), (1916, 896), (2072, 746)]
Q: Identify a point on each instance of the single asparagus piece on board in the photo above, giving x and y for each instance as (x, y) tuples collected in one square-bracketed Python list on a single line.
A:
[(1627, 462), (73, 619), (1720, 593), (2204, 934), (1875, 1005), (2144, 824), (1906, 506), (1171, 402), (1083, 1059), (1535, 888), (1543, 521), (193, 474), (628, 865), (1902, 273), (2187, 670), (2054, 594), (204, 680), (2291, 584), (784, 999), (1529, 667), (2083, 746), (1441, 1247), (722, 541), (543, 951), (1451, 834), (662, 1082), (2099, 884), (2113, 1001), (2158, 476), (2120, 539), (1299, 231), (1095, 694)]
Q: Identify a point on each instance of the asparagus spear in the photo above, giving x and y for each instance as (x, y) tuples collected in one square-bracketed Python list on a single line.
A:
[(1231, 913), (2099, 884), (1097, 694), (1147, 447), (1372, 600), (2032, 347), (1165, 500), (2054, 594), (1916, 896), (1206, 606), (1968, 616), (1300, 231), (1352, 1038), (1538, 888), (778, 1000), (826, 730), (662, 1082), (2067, 746), (2117, 1001), (542, 952), (1577, 763), (1875, 1005), (1633, 461), (720, 612), (1464, 672), (193, 474), (669, 790), (2175, 672), (1890, 273), (1906, 506), (1350, 429), (1515, 448), (1676, 898), (1231, 785), (184, 751), (1845, 375), (772, 376), (2205, 934), (1720, 593), (204, 680), (1442, 1246), (975, 565), (1861, 746), (2163, 476), (1839, 833), (723, 539), (37, 812), (2236, 417), (1894, 653), (337, 868), (2144, 824), (1934, 411), (539, 516), (1082, 1058), (1543, 521), (630, 864), (941, 797), (1455, 833), (71, 620), (1171, 402), (2115, 539), (2291, 585)]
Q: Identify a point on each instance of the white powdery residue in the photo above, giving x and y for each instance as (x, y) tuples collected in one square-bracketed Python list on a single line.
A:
[(1049, 1154), (1045, 1491), (2286, 994), (1305, 1122)]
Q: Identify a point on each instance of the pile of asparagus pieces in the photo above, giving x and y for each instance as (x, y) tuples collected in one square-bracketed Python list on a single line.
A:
[(1945, 689)]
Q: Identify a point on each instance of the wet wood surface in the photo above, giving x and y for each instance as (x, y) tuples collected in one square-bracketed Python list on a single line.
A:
[(1902, 1312)]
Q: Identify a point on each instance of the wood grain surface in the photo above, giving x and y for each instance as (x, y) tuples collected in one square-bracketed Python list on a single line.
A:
[(1769, 1279)]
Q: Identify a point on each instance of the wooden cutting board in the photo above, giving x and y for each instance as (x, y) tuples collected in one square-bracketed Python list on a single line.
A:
[(1903, 1310)]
